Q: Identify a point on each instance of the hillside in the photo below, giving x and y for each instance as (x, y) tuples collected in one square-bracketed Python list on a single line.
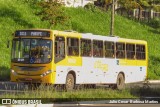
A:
[(15, 14)]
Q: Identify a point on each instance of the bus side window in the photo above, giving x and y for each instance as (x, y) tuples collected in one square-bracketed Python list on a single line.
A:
[(73, 46), (109, 49), (86, 49), (130, 51), (97, 48), (120, 50), (59, 48)]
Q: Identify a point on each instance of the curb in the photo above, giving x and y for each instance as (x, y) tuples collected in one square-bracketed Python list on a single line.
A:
[(153, 81)]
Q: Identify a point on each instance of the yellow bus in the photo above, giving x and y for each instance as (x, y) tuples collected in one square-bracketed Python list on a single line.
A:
[(70, 58)]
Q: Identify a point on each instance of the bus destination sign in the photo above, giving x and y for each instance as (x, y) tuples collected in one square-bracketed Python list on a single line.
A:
[(33, 33)]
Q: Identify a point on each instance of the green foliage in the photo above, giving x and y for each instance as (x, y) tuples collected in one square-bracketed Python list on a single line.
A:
[(156, 8), (133, 4), (90, 6), (52, 12), (155, 23), (143, 3), (31, 1), (129, 4)]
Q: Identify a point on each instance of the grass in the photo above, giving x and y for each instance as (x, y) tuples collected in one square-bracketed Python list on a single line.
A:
[(89, 94), (100, 93), (14, 14), (49, 92)]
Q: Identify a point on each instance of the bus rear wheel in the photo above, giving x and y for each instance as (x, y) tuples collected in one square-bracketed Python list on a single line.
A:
[(120, 82), (70, 82)]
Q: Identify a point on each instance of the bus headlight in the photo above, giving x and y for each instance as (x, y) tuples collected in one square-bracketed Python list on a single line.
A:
[(13, 72), (46, 73)]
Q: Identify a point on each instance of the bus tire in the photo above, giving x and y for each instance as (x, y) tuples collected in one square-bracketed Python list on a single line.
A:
[(120, 82), (70, 82)]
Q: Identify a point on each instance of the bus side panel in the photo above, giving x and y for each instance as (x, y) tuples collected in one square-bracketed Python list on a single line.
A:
[(134, 70), (133, 73), (99, 70), (62, 68), (62, 71)]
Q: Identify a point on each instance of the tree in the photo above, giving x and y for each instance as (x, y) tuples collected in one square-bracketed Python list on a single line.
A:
[(154, 5), (108, 3), (105, 4), (143, 4), (52, 11), (129, 5)]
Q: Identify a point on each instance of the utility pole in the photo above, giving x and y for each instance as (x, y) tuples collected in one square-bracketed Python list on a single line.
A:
[(112, 19)]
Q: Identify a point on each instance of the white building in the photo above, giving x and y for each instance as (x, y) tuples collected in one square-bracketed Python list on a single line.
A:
[(76, 3)]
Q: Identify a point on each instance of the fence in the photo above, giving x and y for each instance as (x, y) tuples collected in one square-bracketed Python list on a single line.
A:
[(146, 14)]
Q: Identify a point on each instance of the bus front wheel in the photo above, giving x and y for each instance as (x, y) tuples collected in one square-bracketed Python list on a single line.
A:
[(70, 82)]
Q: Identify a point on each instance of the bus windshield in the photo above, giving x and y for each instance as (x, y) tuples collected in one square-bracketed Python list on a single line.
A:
[(31, 51)]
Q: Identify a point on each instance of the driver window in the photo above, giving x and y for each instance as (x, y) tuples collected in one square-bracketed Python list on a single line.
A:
[(59, 48)]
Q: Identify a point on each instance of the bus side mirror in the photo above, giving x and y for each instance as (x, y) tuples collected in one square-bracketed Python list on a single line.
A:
[(8, 44)]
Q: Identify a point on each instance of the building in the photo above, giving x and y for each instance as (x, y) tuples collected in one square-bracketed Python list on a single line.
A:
[(76, 3)]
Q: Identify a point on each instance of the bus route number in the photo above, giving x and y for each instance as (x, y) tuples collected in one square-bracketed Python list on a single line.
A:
[(23, 33)]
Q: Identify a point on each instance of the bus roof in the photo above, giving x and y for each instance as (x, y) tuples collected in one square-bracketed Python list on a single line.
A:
[(111, 38)]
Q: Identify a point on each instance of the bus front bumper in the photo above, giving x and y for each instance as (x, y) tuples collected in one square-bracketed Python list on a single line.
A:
[(47, 77)]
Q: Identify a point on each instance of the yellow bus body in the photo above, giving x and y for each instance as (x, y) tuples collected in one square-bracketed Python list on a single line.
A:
[(23, 72)]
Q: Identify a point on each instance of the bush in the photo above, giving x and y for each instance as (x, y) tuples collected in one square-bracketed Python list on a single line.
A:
[(90, 7), (155, 23), (53, 12)]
